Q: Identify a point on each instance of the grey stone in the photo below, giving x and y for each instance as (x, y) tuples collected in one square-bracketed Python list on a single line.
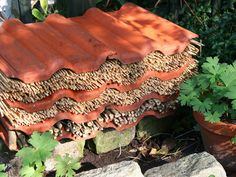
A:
[(195, 165), (73, 148), (108, 140), (14, 167), (122, 169)]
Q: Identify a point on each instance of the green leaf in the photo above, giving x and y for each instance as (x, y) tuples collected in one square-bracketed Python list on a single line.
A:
[(227, 78), (215, 117), (3, 174), (234, 104), (38, 15), (27, 171), (184, 100), (43, 145), (211, 66), (66, 165), (44, 5), (30, 171), (203, 81), (188, 86), (121, 2), (233, 140), (27, 155), (2, 167), (98, 1), (231, 94)]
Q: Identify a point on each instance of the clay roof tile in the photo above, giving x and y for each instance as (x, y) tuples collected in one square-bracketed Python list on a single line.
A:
[(33, 52)]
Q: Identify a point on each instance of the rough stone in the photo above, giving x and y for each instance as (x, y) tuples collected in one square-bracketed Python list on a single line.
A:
[(151, 126), (73, 148), (14, 167), (122, 169), (195, 165), (109, 140)]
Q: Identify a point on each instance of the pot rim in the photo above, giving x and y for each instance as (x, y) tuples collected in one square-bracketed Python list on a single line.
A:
[(220, 128)]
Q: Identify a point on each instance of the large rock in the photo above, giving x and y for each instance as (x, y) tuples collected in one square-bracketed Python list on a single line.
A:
[(194, 165), (108, 140), (151, 126), (122, 169), (73, 148)]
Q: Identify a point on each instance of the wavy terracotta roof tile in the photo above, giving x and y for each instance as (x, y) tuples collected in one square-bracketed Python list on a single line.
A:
[(43, 98), (93, 116), (34, 52), (11, 141)]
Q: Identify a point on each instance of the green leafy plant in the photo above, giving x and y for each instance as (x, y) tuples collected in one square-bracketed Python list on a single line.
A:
[(33, 158), (214, 21), (212, 92), (66, 166), (2, 170), (212, 176), (44, 10), (41, 14), (233, 140)]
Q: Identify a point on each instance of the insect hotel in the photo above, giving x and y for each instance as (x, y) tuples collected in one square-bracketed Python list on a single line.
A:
[(76, 76)]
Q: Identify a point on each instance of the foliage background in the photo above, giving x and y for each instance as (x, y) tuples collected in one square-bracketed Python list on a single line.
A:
[(213, 20)]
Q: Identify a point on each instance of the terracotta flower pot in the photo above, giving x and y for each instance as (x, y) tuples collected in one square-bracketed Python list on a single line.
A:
[(217, 141)]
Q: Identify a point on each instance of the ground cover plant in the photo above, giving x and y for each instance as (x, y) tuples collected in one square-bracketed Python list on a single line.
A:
[(41, 148)]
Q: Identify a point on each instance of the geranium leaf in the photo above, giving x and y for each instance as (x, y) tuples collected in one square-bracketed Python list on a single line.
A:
[(234, 104), (215, 117), (231, 94), (66, 165), (233, 140)]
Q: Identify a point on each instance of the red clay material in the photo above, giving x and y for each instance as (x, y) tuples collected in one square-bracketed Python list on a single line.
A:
[(168, 37), (77, 96), (4, 134), (47, 124), (34, 52), (123, 127), (217, 140)]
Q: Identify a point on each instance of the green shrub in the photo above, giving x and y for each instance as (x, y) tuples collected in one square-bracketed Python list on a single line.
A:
[(212, 92)]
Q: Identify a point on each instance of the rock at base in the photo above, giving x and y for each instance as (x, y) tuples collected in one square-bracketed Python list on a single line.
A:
[(73, 148), (122, 169), (109, 140), (195, 165)]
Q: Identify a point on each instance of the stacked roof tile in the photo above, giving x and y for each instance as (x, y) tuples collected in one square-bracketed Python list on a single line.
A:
[(77, 76)]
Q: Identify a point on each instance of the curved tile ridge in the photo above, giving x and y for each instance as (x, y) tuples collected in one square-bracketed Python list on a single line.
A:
[(18, 116), (162, 88), (103, 125), (138, 109), (167, 37), (111, 116), (34, 52), (111, 72), (4, 134)]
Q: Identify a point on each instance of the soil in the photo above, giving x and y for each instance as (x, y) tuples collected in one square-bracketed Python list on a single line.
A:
[(139, 151), (178, 146)]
